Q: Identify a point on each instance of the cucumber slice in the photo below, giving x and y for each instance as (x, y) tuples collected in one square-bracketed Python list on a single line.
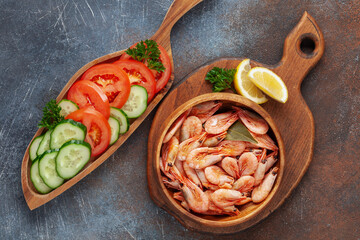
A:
[(72, 157), (44, 144), (47, 170), (65, 131), (37, 181), (115, 129), (137, 102), (67, 107), (119, 115), (34, 147)]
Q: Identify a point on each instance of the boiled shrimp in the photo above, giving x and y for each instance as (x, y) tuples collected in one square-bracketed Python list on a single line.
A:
[(175, 126), (217, 176), (243, 201), (214, 139), (201, 175), (233, 148), (174, 184), (226, 199), (205, 110), (262, 191), (264, 141), (261, 169), (230, 166), (162, 168), (191, 174), (271, 160), (244, 184), (202, 157), (254, 123), (215, 210), (178, 196), (190, 144), (191, 127), (220, 122), (169, 152), (195, 198), (247, 163), (179, 165)]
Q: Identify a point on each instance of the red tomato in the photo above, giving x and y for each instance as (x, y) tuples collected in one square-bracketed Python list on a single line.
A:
[(112, 80), (86, 93), (161, 78), (139, 74), (98, 129)]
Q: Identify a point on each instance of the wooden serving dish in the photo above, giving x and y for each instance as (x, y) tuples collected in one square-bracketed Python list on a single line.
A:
[(293, 120), (177, 9)]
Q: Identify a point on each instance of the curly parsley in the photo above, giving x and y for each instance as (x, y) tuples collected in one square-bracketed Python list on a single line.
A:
[(221, 78), (147, 51), (51, 115)]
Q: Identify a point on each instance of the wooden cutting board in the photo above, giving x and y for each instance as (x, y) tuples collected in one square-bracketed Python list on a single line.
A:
[(303, 48)]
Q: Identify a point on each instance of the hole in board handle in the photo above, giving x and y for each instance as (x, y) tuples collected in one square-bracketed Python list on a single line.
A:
[(307, 45)]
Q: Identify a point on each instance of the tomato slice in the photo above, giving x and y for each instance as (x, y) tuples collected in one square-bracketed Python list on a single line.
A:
[(139, 74), (86, 93), (161, 78), (112, 80), (98, 129)]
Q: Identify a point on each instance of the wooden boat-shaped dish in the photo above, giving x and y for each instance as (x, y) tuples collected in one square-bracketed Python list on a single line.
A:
[(173, 206), (162, 37)]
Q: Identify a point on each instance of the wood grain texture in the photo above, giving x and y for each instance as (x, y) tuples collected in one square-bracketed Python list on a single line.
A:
[(293, 119), (162, 36)]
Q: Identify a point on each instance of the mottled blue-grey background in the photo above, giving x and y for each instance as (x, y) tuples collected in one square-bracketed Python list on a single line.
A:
[(43, 43)]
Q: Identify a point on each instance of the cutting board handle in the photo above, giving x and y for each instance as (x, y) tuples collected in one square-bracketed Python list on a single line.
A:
[(303, 48), (177, 9)]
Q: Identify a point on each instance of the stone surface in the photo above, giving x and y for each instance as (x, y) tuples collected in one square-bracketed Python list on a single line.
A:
[(43, 43)]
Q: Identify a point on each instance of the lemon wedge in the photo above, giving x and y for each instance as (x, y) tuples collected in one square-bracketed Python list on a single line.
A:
[(268, 82), (244, 86)]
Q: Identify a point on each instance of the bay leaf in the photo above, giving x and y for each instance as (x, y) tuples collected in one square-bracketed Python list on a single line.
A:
[(238, 132)]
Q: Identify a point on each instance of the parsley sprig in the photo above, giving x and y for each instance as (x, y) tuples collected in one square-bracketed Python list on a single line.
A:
[(221, 78), (147, 51), (51, 115)]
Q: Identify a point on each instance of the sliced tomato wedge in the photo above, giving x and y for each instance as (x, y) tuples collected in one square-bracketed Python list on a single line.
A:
[(98, 129), (139, 74), (86, 93), (161, 78), (112, 80)]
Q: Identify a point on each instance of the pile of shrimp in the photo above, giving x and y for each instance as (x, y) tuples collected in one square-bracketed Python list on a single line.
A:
[(210, 175)]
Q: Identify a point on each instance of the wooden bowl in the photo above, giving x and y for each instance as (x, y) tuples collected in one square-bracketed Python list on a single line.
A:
[(248, 210)]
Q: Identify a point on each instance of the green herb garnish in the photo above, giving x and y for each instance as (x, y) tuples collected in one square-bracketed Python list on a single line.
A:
[(147, 51), (221, 78), (238, 132), (51, 115)]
